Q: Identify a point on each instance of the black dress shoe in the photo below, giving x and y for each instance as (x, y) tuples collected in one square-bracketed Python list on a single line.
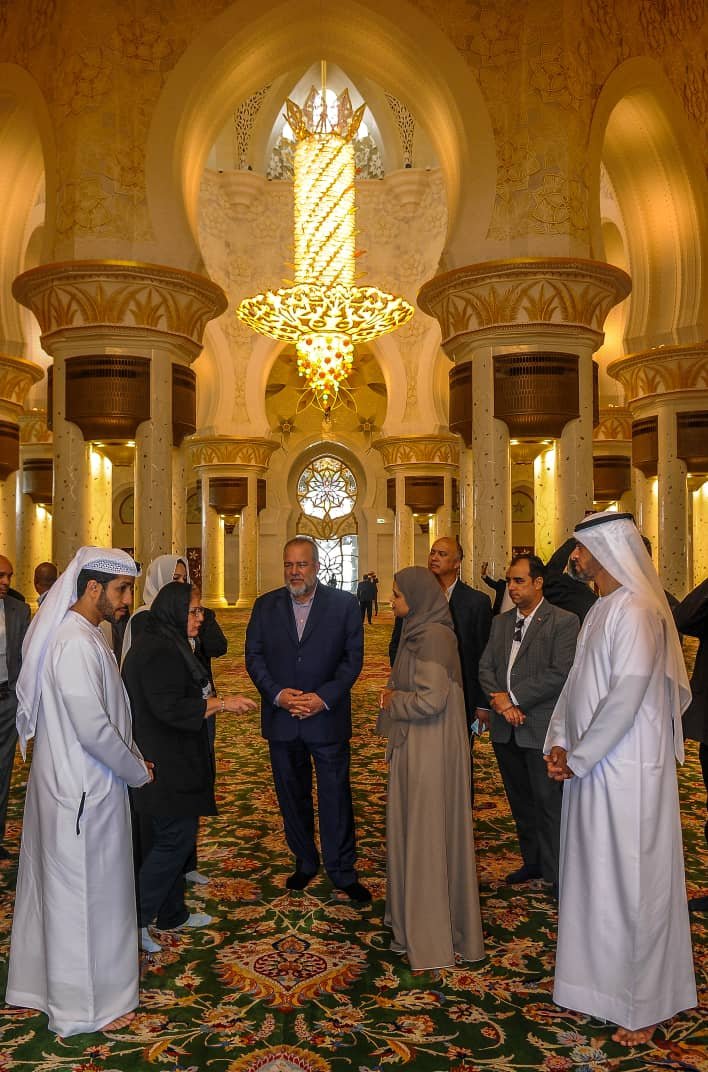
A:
[(524, 874), (357, 893), (698, 904), (298, 880)]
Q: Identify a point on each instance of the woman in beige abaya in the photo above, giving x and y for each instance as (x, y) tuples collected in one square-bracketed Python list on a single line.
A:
[(432, 898)]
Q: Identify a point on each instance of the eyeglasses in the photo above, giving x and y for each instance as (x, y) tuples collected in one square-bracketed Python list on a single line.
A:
[(197, 610)]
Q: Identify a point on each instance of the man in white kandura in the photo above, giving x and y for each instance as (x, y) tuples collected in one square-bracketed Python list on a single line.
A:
[(74, 947), (624, 941)]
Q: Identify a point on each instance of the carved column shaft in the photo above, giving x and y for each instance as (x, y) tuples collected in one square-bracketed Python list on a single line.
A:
[(667, 387), (248, 547), (212, 551), (116, 317), (422, 468), (8, 517), (403, 529), (236, 466), (673, 507), (467, 540), (153, 468), (540, 319)]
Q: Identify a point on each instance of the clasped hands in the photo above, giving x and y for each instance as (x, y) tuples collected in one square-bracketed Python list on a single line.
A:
[(557, 764), (300, 704), (503, 704)]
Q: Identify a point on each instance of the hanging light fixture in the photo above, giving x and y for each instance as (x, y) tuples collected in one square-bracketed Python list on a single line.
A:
[(324, 312)]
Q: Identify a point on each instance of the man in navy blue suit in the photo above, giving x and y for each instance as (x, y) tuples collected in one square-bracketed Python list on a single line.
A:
[(304, 651)]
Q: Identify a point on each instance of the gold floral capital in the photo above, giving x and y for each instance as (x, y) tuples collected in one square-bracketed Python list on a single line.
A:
[(119, 294), (33, 427), (401, 452), (615, 424), (250, 454), (557, 291), (17, 376), (662, 369)]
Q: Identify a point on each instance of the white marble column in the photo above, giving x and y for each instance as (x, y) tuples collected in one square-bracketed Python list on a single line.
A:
[(8, 517), (491, 474), (34, 543), (467, 515), (574, 480), (700, 533), (248, 547), (100, 509), (179, 501), (212, 551), (545, 506), (70, 508), (673, 507), (403, 529), (441, 524), (153, 467)]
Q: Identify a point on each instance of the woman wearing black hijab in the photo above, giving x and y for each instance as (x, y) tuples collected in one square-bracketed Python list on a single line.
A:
[(171, 701)]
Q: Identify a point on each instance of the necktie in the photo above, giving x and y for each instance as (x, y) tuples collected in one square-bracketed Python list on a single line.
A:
[(518, 630)]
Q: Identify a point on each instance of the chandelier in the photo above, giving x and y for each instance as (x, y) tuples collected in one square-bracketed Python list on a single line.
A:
[(324, 312)]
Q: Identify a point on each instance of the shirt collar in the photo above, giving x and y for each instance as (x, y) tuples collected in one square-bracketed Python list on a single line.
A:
[(527, 618)]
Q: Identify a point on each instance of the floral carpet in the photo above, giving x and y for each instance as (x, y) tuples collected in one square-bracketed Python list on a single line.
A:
[(304, 982)]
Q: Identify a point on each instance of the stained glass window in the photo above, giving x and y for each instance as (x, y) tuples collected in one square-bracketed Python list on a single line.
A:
[(326, 489)]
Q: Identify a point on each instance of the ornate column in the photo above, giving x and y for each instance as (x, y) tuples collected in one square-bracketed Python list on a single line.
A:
[(612, 461), (34, 499), (522, 334), (466, 486), (441, 522), (666, 391), (420, 470), (122, 335), (17, 376), (699, 510), (232, 472)]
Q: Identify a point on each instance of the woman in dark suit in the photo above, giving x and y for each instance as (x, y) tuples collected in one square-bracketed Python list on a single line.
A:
[(171, 701)]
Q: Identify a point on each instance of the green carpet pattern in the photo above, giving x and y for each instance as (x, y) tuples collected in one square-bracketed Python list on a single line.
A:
[(304, 982)]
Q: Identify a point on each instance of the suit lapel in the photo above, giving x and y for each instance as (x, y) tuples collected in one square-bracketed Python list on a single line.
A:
[(537, 618), (509, 626), (288, 616), (316, 611)]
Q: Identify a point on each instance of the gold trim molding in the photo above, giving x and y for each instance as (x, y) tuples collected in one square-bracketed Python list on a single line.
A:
[(525, 291), (253, 454), (119, 294), (431, 451), (615, 424), (17, 376), (662, 369)]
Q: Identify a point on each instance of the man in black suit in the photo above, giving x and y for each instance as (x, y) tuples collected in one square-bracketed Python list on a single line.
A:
[(14, 619), (691, 617), (471, 617), (304, 651), (523, 670)]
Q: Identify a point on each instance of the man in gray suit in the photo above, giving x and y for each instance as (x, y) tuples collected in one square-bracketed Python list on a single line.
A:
[(522, 671), (14, 619)]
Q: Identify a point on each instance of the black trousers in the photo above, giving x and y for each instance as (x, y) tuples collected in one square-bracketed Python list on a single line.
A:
[(166, 845), (292, 762), (365, 606), (703, 758), (535, 801)]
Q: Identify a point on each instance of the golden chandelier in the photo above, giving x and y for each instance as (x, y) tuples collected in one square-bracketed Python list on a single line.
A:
[(324, 313)]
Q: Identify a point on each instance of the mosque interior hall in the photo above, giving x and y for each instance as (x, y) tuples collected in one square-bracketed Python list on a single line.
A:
[(486, 318), (373, 272)]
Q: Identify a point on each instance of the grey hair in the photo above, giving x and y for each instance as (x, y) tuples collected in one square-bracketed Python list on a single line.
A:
[(308, 540)]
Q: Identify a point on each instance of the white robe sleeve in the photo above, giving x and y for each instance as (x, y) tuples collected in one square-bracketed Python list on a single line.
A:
[(634, 649), (556, 735), (79, 678)]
